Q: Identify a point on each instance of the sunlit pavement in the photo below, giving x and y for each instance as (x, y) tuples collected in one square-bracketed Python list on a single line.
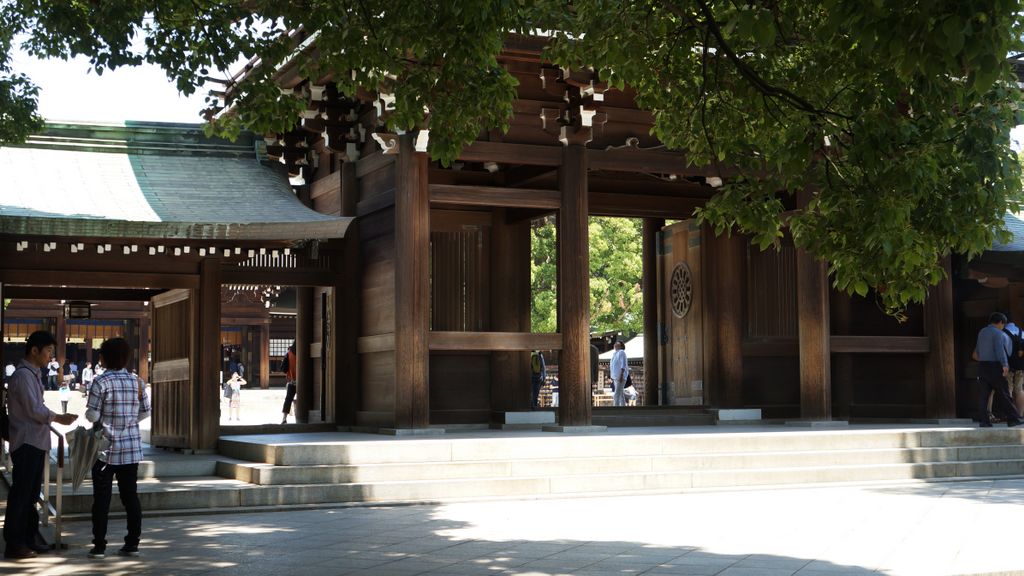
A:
[(926, 529)]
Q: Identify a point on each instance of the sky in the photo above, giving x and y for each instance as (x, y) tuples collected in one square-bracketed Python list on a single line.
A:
[(69, 91)]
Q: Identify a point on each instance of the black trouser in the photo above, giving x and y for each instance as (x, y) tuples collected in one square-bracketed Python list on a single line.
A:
[(990, 375), (21, 522), (289, 397), (127, 487)]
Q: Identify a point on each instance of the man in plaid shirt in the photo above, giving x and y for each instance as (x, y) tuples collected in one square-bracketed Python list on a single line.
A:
[(117, 400)]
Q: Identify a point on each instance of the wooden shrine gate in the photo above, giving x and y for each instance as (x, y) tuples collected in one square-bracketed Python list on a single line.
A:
[(185, 393), (173, 318), (681, 313)]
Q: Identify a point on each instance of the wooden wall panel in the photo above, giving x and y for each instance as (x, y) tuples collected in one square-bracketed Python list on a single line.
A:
[(460, 381), (459, 282), (510, 310), (378, 286), (326, 194), (378, 391), (771, 292)]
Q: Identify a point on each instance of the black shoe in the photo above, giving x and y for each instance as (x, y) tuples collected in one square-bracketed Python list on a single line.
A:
[(40, 549), (1014, 424), (19, 553), (97, 553), (128, 551), (984, 424)]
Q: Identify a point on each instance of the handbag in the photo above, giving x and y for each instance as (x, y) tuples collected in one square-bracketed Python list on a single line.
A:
[(227, 390)]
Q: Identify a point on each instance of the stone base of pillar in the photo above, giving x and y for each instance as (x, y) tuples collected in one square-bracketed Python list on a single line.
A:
[(817, 423), (576, 429), (411, 431)]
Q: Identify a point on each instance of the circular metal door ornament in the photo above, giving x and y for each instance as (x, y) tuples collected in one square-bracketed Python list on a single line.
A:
[(681, 290)]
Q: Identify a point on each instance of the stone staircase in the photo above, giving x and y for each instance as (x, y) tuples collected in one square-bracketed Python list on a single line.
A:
[(338, 467)]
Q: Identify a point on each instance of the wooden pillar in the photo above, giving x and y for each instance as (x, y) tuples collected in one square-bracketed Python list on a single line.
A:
[(510, 310), (143, 348), (264, 355), (304, 363), (348, 294), (842, 385), (813, 329), (412, 287), (206, 385), (652, 335), (575, 396), (730, 282), (940, 371), (61, 335)]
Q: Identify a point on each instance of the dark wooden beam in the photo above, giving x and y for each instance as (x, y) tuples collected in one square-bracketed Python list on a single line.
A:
[(940, 370), (72, 293), (505, 153), (494, 196), (575, 398), (652, 336), (277, 276), (880, 344), (643, 205), (503, 341), (304, 361), (731, 283), (206, 385), (412, 287), (98, 279), (347, 307), (372, 163), (813, 329), (631, 160)]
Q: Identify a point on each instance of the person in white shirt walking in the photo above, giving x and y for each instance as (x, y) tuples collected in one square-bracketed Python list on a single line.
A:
[(620, 371)]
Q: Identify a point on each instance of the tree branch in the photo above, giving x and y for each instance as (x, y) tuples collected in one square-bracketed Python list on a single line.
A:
[(746, 71)]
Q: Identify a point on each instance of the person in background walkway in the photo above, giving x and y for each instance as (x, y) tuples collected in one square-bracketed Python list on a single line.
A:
[(87, 376), (288, 366), (30, 444), (993, 351), (64, 393), (117, 402), (619, 370), (52, 370), (233, 390), (538, 374), (73, 370)]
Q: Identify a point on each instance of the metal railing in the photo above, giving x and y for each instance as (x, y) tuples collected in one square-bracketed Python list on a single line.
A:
[(44, 495), (43, 498)]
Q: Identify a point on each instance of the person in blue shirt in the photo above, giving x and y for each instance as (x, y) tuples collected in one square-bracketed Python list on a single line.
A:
[(993, 354)]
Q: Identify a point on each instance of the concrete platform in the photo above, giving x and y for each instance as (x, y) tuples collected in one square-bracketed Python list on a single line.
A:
[(941, 529), (300, 469)]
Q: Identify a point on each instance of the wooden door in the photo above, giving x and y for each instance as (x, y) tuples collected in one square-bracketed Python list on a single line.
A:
[(173, 315), (682, 313)]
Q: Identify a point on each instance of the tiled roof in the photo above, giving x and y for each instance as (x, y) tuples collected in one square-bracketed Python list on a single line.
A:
[(153, 181)]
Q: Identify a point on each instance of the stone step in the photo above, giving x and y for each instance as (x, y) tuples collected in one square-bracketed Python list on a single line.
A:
[(207, 492), (267, 474), (343, 448)]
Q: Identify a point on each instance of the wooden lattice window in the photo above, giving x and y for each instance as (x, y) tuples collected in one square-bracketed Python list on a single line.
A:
[(458, 280)]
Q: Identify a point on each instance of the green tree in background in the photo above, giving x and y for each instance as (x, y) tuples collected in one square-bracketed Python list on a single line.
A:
[(616, 268), (616, 272), (544, 275), (892, 116)]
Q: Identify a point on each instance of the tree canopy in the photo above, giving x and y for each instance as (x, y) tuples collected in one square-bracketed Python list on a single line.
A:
[(616, 272), (891, 116)]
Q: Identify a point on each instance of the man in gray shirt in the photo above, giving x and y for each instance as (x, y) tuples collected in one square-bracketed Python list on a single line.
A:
[(993, 352), (30, 445)]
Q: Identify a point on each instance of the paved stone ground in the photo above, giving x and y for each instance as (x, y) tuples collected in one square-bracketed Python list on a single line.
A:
[(905, 529)]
